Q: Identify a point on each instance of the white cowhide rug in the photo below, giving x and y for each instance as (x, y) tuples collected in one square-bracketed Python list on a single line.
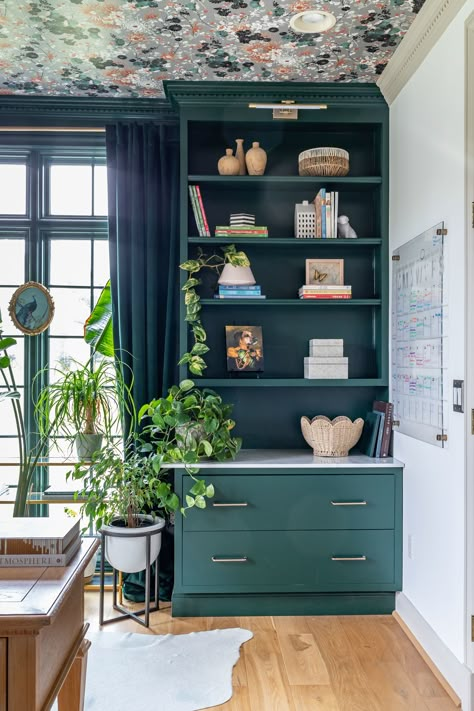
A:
[(165, 673)]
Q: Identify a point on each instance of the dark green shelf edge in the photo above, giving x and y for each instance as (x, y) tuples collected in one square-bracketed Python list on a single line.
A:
[(290, 383), (306, 303), (287, 241), (283, 179)]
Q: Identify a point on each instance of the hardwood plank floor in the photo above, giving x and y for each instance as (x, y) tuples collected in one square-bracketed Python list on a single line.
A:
[(340, 663)]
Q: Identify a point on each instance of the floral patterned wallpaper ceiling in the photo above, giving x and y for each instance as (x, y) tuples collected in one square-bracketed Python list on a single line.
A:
[(126, 48)]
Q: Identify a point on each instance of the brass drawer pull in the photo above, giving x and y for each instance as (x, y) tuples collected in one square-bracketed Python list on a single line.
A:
[(228, 505), (218, 559), (349, 503), (354, 557)]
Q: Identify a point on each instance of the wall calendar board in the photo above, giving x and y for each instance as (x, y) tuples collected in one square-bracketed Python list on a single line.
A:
[(419, 342)]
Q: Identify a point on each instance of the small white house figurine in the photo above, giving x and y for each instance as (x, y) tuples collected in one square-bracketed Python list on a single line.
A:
[(344, 230)]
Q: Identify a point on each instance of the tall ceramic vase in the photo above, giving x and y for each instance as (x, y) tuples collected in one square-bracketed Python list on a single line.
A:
[(228, 164), (256, 159), (240, 155)]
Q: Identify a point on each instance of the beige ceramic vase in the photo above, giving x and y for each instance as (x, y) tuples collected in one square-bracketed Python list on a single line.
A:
[(256, 159), (228, 164), (240, 155)]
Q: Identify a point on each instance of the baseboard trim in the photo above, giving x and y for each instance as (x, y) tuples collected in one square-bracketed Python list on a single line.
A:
[(447, 687), (428, 26), (250, 604), (453, 675)]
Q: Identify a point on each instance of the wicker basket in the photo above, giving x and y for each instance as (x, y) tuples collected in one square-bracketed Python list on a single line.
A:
[(331, 438), (324, 161)]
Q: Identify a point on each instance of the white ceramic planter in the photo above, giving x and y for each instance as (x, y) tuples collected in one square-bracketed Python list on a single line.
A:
[(126, 548)]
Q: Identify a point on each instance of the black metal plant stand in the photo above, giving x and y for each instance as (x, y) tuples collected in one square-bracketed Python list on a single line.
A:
[(128, 613)]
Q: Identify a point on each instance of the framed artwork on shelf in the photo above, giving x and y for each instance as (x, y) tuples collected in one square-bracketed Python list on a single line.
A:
[(325, 271), (31, 308), (244, 347)]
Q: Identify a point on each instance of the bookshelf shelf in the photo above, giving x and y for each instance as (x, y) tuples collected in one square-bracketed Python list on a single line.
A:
[(290, 383), (301, 303), (284, 181), (271, 242)]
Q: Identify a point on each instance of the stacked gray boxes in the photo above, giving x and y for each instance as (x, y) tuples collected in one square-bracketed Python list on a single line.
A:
[(326, 359)]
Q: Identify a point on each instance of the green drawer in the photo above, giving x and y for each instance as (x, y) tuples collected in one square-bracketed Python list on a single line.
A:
[(281, 561), (295, 502)]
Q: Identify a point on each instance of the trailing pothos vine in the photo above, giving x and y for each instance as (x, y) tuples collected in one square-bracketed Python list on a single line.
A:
[(194, 358)]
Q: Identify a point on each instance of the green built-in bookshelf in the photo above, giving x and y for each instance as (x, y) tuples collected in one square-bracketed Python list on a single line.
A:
[(268, 405)]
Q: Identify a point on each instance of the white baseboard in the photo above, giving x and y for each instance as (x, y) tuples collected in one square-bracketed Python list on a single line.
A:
[(457, 675)]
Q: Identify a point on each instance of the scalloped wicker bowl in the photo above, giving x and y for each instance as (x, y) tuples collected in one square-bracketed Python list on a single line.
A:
[(326, 161), (331, 438)]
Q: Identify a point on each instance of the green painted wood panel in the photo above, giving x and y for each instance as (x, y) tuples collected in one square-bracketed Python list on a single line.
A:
[(289, 560), (321, 502)]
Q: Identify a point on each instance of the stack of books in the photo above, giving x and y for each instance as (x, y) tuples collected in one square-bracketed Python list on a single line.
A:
[(198, 211), (38, 541), (241, 231), (377, 432), (325, 291), (326, 205), (239, 292)]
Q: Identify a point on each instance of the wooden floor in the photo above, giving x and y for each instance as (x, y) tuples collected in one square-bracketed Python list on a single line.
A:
[(312, 663)]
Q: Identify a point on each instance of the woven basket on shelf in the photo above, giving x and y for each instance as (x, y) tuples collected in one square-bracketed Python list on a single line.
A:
[(331, 438), (324, 161)]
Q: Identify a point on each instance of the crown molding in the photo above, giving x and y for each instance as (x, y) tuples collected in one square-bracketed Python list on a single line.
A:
[(219, 93), (81, 111), (426, 29)]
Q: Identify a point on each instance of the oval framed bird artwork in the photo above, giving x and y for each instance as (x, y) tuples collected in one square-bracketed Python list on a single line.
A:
[(31, 308)]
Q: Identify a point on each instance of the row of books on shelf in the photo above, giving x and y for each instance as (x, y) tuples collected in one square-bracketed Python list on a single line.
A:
[(199, 211), (377, 432), (326, 205), (39, 541), (325, 291)]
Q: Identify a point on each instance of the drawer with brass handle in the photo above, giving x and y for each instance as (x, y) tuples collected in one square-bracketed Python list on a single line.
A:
[(297, 502), (262, 561)]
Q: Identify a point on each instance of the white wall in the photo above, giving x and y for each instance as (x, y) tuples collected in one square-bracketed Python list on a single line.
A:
[(426, 187)]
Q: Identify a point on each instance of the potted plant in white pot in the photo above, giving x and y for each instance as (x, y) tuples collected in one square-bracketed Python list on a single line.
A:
[(83, 403), (120, 492)]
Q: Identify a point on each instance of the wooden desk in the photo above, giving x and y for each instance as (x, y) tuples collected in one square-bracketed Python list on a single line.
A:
[(43, 648)]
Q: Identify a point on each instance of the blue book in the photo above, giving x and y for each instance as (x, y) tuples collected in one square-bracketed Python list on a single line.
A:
[(239, 292), (378, 448)]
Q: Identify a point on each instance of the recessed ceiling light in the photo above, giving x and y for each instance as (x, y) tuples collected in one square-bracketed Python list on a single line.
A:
[(312, 21)]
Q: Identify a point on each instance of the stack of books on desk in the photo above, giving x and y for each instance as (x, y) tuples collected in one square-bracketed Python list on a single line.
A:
[(247, 291), (38, 541), (324, 291)]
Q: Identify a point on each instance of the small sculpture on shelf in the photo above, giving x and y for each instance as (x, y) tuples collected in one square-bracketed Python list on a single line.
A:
[(256, 159), (344, 229), (228, 164)]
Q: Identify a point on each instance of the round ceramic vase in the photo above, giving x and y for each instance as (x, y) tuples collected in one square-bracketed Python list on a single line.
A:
[(228, 164), (256, 159)]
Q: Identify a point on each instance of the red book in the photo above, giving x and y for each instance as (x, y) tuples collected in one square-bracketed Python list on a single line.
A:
[(203, 212), (387, 409)]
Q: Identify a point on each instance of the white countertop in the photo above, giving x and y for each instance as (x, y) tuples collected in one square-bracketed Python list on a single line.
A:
[(301, 458)]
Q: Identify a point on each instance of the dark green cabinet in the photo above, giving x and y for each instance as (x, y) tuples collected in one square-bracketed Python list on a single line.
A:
[(289, 537)]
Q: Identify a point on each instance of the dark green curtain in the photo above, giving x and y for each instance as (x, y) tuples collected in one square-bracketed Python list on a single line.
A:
[(143, 185)]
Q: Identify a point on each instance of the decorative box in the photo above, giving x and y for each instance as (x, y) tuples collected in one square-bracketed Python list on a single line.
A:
[(305, 220), (322, 368), (326, 347)]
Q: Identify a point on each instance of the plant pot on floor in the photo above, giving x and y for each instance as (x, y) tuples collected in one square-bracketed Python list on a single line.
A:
[(87, 444), (125, 548)]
